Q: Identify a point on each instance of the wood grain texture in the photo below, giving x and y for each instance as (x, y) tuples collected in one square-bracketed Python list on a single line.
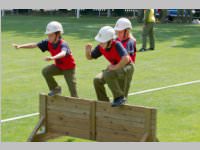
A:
[(94, 120)]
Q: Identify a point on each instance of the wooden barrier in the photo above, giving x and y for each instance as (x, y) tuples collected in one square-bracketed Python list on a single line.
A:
[(93, 120)]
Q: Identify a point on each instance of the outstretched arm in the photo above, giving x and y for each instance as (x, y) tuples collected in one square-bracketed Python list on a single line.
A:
[(28, 45)]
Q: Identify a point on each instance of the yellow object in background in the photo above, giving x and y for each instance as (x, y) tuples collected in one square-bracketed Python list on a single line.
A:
[(149, 16)]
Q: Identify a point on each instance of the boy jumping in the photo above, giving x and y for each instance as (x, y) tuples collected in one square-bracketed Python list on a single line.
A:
[(62, 56)]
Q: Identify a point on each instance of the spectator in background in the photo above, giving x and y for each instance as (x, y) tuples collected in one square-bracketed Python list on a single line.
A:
[(148, 30)]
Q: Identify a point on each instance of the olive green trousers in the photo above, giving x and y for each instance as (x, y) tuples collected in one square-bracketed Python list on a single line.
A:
[(50, 71), (118, 82)]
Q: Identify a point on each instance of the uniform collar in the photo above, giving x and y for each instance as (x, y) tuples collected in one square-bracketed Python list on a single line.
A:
[(125, 40), (107, 49), (55, 45)]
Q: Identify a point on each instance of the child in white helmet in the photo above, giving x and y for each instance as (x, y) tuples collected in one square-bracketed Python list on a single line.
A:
[(62, 56), (123, 28), (115, 75)]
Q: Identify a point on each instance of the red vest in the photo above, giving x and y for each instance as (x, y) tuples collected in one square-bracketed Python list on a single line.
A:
[(112, 54), (65, 63), (124, 43)]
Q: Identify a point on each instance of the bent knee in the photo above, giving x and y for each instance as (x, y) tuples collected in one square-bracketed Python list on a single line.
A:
[(96, 80), (44, 71), (110, 75)]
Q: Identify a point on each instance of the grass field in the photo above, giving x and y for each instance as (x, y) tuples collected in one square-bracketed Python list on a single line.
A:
[(175, 60)]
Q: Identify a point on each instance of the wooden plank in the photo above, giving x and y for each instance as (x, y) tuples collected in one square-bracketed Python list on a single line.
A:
[(42, 116), (69, 131), (35, 130), (108, 135), (43, 109), (60, 119), (42, 105), (121, 111), (144, 137), (93, 120), (68, 110), (67, 105), (125, 127), (69, 114), (128, 120), (43, 137), (69, 99), (64, 105), (126, 107), (148, 121), (120, 121), (124, 117), (154, 114), (153, 126), (113, 138)]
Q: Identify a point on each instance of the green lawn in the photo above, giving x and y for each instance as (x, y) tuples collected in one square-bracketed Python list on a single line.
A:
[(175, 60)]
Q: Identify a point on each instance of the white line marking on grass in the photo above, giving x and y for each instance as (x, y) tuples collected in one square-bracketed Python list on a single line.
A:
[(165, 87), (19, 117), (130, 94)]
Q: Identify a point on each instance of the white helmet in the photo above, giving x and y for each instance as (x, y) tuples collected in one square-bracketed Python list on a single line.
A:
[(53, 27), (122, 24), (105, 34)]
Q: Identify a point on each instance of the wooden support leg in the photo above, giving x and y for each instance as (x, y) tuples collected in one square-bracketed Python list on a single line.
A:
[(35, 130), (144, 137), (43, 137), (157, 140)]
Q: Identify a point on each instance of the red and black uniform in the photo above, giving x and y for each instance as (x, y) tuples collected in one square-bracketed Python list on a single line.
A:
[(112, 54), (64, 63), (117, 80), (130, 45), (63, 66)]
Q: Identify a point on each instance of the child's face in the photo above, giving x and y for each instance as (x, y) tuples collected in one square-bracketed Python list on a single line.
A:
[(103, 45), (120, 34), (52, 37)]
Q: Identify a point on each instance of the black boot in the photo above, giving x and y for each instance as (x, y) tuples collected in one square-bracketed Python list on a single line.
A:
[(118, 101), (151, 49), (56, 91), (142, 50)]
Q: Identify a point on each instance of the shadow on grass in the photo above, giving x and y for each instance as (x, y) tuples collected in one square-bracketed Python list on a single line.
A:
[(70, 140)]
